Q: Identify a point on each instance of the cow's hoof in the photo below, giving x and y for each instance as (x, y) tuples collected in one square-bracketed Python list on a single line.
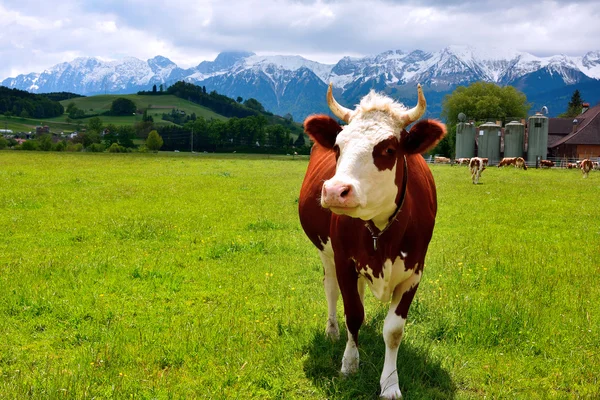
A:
[(332, 331), (349, 367), (391, 393)]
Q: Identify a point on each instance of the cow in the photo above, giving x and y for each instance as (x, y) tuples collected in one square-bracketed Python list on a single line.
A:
[(546, 164), (507, 161), (520, 163), (368, 203), (441, 160), (485, 161), (462, 160), (595, 165), (572, 165), (586, 167), (476, 166)]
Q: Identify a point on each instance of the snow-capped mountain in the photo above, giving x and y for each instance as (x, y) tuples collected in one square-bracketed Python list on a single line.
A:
[(293, 84)]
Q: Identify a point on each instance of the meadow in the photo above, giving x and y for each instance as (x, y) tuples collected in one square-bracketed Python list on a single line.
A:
[(156, 106), (176, 276)]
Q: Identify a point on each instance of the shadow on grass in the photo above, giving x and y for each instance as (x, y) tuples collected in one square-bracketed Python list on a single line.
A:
[(420, 377)]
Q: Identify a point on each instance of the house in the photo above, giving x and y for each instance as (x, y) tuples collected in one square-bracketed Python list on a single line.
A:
[(577, 137)]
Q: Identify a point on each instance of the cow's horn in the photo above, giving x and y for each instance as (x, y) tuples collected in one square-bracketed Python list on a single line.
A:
[(410, 116), (338, 110)]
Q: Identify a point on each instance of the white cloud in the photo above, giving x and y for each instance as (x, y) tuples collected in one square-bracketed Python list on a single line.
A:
[(37, 35)]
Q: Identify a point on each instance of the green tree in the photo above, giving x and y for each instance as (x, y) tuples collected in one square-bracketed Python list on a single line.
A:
[(154, 142), (154, 88), (95, 125), (479, 101), (574, 107), (254, 104), (45, 142), (3, 143), (122, 106), (301, 141)]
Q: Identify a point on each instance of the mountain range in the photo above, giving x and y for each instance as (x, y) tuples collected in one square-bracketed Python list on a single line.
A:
[(296, 85)]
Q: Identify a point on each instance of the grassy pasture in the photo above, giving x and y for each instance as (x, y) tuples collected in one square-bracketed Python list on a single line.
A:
[(156, 106), (172, 276)]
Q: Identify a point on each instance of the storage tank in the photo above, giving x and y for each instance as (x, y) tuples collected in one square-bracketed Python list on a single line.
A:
[(514, 138), (465, 140), (537, 137), (488, 144)]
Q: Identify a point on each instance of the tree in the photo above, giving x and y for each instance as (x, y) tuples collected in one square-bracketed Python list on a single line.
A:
[(300, 141), (154, 142), (254, 104), (122, 106), (154, 88), (95, 125), (479, 101), (574, 107), (161, 88), (239, 99), (3, 143)]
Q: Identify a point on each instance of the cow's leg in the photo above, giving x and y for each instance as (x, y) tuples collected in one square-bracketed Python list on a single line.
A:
[(393, 329), (354, 313), (332, 293)]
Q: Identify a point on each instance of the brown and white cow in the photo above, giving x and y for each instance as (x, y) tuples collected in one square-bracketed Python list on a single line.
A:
[(441, 160), (596, 165), (572, 165), (507, 161), (462, 160), (476, 166), (520, 163), (546, 164), (586, 167), (368, 203)]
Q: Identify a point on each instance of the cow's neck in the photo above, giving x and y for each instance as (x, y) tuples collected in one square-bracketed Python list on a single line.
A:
[(378, 229)]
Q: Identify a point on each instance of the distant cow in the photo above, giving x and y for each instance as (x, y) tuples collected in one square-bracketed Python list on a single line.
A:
[(507, 161), (572, 165), (595, 165), (546, 164), (586, 167), (485, 161), (520, 163), (441, 160), (476, 166), (368, 203), (462, 160)]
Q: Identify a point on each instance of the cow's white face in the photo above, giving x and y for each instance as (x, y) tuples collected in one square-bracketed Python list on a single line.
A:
[(368, 175), (364, 185)]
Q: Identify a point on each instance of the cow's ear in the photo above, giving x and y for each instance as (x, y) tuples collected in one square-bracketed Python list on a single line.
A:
[(322, 129), (423, 136)]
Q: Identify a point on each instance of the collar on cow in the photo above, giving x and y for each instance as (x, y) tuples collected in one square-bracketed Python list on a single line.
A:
[(371, 226)]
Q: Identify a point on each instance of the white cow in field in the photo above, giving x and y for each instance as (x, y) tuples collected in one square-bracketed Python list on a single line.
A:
[(476, 166)]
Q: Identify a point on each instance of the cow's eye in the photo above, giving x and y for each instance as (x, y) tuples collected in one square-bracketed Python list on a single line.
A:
[(390, 151)]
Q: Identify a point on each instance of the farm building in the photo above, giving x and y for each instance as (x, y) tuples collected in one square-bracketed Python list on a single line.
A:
[(577, 137)]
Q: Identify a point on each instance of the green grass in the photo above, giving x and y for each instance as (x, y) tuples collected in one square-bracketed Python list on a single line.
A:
[(156, 106), (172, 276)]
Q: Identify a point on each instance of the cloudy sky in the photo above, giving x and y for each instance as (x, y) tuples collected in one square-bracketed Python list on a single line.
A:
[(36, 35)]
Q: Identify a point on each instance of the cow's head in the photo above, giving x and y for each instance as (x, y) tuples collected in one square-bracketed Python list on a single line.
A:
[(370, 152)]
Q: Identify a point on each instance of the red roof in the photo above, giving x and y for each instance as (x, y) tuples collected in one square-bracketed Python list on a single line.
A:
[(588, 130)]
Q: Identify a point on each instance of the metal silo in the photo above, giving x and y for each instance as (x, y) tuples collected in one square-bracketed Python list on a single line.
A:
[(465, 140), (514, 138), (537, 137), (488, 144)]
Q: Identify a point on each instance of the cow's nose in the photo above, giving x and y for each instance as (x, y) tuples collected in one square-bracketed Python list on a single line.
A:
[(337, 194)]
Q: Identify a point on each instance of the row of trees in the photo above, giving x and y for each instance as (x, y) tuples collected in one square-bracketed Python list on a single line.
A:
[(19, 103), (247, 134)]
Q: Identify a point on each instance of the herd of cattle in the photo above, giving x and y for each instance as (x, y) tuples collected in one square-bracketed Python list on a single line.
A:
[(478, 164)]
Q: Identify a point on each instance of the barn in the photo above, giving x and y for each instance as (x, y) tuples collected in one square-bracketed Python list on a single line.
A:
[(577, 137)]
